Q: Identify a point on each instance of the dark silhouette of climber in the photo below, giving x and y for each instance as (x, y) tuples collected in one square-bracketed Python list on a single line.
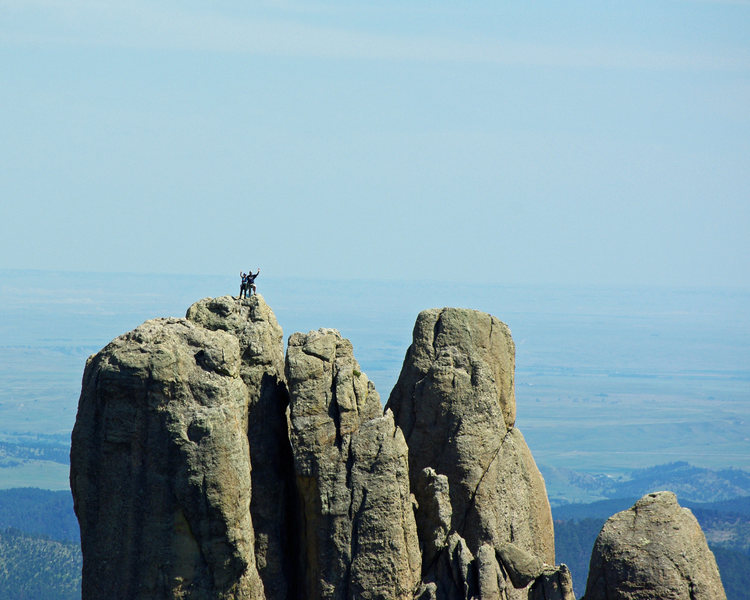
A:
[(243, 285), (250, 283)]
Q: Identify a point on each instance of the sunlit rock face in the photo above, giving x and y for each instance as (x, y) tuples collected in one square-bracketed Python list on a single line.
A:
[(160, 468), (274, 504), (360, 538), (455, 403), (655, 549)]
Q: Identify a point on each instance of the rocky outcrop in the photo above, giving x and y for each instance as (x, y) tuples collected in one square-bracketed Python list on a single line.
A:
[(160, 468), (273, 507), (360, 537), (205, 464), (456, 574), (455, 402), (655, 549)]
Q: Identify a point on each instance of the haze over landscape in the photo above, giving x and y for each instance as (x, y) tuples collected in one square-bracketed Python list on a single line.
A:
[(580, 171), (634, 376)]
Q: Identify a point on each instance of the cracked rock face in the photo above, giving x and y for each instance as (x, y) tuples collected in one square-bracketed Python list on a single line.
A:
[(360, 538), (455, 403), (273, 506), (655, 549), (160, 469)]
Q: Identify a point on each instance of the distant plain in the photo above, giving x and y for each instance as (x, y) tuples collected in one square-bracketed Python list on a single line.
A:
[(607, 379)]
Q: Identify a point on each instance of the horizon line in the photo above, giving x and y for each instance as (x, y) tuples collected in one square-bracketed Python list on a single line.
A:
[(397, 280)]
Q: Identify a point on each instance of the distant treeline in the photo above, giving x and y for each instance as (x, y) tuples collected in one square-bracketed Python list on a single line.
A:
[(41, 513), (40, 556), (34, 568)]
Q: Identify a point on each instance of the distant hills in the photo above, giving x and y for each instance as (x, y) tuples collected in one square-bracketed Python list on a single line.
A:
[(690, 483)]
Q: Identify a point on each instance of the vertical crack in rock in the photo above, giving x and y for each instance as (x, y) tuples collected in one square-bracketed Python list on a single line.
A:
[(274, 509), (435, 333), (454, 398), (334, 411), (360, 523), (349, 485)]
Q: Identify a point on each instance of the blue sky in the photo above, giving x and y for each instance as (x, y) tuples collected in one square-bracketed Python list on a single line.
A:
[(537, 142)]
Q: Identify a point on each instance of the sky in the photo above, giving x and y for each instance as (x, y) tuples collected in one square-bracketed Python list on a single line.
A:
[(537, 142)]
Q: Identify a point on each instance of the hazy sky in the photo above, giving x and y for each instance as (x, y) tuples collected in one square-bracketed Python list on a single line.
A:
[(546, 142)]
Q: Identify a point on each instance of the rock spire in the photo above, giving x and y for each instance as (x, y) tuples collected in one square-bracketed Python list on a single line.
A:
[(455, 402), (359, 534), (274, 503)]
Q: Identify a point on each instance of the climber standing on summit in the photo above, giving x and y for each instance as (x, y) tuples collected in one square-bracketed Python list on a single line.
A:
[(249, 283), (243, 285)]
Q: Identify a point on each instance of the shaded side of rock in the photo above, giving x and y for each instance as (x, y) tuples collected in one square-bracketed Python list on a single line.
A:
[(554, 583), (351, 464), (433, 499), (452, 576), (655, 549), (160, 468), (274, 505), (455, 402)]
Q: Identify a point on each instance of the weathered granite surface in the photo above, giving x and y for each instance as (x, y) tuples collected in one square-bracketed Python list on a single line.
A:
[(655, 549), (455, 402), (205, 464), (360, 536), (160, 468), (274, 507)]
